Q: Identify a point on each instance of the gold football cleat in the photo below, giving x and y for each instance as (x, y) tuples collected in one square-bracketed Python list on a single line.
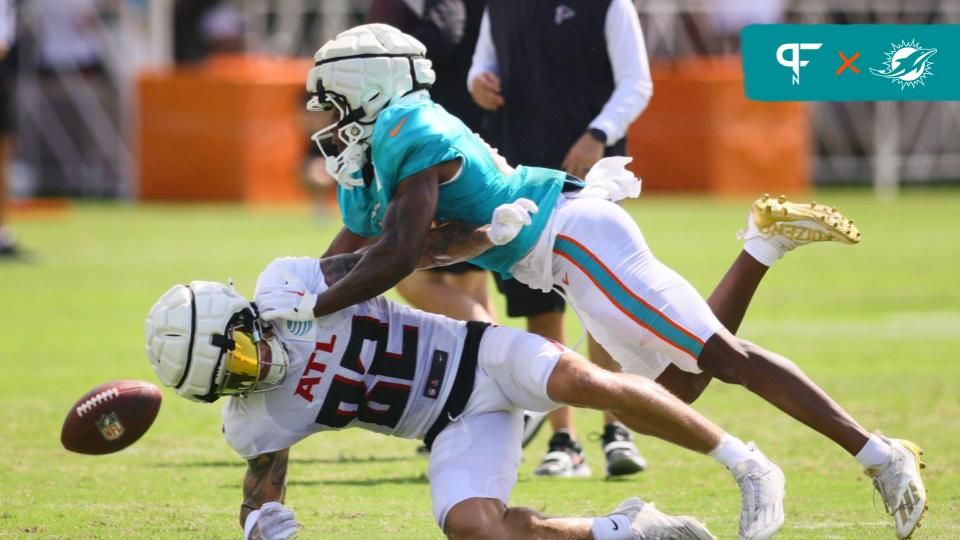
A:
[(803, 222)]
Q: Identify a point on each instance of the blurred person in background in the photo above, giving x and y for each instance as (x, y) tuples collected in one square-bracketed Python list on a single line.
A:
[(189, 41), (8, 30), (449, 29), (222, 29), (566, 79), (206, 27), (70, 97), (67, 37)]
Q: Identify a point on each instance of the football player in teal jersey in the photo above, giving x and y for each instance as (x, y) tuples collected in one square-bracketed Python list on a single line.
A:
[(403, 165), (412, 155)]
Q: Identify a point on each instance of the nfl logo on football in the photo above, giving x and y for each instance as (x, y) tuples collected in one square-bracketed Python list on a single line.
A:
[(110, 427)]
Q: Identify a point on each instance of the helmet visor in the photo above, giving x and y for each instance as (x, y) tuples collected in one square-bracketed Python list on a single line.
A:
[(242, 365), (255, 364)]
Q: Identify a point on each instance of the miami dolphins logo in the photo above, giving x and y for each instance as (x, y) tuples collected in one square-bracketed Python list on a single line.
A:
[(907, 64)]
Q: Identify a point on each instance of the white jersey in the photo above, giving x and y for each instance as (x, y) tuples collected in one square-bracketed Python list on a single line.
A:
[(377, 365)]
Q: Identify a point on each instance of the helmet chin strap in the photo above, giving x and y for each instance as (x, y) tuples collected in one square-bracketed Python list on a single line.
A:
[(351, 167), (347, 166)]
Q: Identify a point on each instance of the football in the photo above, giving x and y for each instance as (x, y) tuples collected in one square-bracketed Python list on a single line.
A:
[(110, 417)]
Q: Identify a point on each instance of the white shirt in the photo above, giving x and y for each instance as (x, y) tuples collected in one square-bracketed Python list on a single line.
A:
[(633, 85), (67, 36), (8, 23)]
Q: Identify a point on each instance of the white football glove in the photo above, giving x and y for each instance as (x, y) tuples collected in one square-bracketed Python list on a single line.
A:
[(609, 179), (272, 521), (508, 219), (291, 301)]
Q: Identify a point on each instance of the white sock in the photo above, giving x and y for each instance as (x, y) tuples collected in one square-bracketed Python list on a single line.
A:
[(875, 453), (612, 527), (730, 451), (763, 250)]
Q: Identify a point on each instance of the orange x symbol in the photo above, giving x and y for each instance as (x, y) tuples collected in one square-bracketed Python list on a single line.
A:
[(848, 62)]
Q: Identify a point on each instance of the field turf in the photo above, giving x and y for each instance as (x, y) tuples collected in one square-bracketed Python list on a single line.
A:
[(878, 325)]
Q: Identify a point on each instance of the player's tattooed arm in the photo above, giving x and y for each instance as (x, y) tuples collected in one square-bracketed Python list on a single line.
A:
[(265, 481), (454, 242), (337, 266), (450, 243)]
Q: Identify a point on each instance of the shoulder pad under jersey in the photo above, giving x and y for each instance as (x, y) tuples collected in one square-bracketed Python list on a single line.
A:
[(411, 137)]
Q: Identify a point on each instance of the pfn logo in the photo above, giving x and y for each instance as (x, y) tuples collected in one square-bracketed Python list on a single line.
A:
[(794, 62)]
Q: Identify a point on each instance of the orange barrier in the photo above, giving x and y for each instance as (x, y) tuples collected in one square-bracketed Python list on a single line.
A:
[(701, 134), (230, 130)]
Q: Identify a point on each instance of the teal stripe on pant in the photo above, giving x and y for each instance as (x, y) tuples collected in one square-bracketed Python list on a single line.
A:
[(625, 300)]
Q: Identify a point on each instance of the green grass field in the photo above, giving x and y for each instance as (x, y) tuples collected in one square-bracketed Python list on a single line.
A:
[(877, 325)]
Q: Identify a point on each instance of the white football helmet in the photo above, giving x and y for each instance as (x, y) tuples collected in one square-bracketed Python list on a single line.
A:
[(358, 74), (203, 340)]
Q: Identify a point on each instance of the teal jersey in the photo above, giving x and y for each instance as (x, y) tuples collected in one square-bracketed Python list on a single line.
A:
[(414, 135)]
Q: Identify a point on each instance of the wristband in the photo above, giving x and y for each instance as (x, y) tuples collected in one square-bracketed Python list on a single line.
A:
[(598, 135)]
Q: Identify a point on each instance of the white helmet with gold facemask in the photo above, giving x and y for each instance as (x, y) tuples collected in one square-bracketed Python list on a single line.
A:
[(206, 341), (356, 75)]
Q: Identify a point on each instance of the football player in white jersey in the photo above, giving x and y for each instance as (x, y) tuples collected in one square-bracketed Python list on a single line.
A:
[(461, 387)]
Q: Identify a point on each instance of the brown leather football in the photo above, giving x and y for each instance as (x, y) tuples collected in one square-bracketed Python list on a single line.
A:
[(110, 417)]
